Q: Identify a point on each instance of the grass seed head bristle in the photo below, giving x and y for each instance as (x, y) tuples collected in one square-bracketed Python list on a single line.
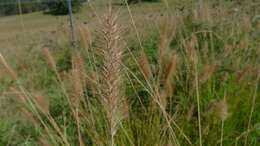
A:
[(50, 59), (145, 66), (8, 68)]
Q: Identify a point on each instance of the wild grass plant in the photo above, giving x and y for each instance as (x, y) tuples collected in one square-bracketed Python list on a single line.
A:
[(194, 82)]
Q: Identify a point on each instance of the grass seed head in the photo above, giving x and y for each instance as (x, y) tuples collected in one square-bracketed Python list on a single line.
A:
[(50, 59), (8, 68), (145, 66)]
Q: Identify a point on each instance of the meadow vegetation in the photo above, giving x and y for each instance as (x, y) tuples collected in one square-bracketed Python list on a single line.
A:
[(191, 77)]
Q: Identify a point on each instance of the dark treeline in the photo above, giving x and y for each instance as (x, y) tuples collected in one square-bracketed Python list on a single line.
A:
[(136, 1), (56, 7), (11, 7)]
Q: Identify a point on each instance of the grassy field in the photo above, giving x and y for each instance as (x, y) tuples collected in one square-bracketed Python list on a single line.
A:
[(38, 29), (170, 73)]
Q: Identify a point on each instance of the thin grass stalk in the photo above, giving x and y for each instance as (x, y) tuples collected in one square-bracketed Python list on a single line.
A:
[(21, 15), (223, 118), (165, 114), (133, 23), (253, 106), (198, 98)]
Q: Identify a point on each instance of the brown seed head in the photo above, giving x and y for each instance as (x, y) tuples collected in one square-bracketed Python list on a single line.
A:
[(145, 66), (8, 68), (50, 59)]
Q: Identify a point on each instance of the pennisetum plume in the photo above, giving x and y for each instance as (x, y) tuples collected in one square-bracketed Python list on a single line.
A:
[(145, 66), (111, 73), (8, 68)]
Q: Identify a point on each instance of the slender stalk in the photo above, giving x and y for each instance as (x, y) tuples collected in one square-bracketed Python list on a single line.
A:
[(133, 23), (222, 132), (73, 40), (198, 101), (222, 124), (253, 106), (21, 14)]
